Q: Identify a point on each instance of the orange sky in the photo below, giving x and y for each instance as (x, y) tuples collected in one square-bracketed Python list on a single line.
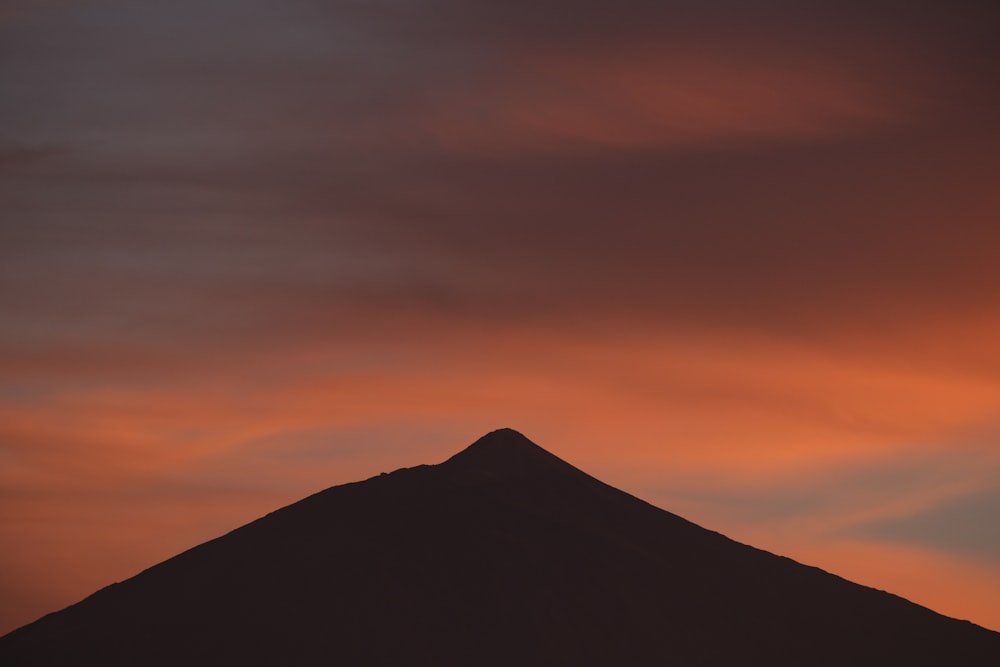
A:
[(740, 263)]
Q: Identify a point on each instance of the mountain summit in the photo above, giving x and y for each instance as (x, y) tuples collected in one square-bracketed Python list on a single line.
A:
[(506, 451), (502, 555)]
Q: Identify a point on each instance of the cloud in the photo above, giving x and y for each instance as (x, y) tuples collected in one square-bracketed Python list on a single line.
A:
[(654, 99), (966, 525), (667, 163)]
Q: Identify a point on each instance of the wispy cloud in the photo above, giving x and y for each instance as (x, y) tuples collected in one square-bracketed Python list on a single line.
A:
[(966, 525)]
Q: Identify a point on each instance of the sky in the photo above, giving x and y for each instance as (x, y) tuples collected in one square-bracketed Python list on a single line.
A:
[(736, 258)]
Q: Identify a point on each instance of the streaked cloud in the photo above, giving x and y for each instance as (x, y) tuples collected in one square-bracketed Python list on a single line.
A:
[(966, 525), (653, 99)]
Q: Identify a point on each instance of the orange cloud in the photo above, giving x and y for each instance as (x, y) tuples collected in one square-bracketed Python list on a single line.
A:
[(653, 99), (755, 416)]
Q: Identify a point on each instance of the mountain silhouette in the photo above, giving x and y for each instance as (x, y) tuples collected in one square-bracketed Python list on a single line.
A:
[(502, 555)]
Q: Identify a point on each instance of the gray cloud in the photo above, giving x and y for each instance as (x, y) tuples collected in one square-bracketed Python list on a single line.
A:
[(172, 157), (967, 525)]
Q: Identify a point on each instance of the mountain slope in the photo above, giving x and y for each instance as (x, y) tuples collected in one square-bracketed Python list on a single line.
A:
[(502, 555)]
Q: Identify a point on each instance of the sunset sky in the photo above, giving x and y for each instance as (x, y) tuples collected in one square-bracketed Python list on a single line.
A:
[(737, 258)]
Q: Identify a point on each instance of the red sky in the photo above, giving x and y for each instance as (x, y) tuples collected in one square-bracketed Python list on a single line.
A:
[(736, 258)]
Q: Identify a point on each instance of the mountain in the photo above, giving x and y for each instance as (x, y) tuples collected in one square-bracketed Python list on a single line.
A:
[(502, 555)]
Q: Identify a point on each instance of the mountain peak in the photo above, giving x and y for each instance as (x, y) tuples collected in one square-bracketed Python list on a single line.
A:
[(505, 450), (504, 437)]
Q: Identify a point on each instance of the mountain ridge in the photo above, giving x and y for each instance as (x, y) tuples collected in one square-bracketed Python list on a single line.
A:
[(503, 545)]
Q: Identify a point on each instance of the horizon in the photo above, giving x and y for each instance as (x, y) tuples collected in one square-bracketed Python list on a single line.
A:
[(736, 260)]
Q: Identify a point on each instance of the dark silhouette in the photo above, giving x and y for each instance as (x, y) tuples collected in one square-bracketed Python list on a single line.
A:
[(502, 555)]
